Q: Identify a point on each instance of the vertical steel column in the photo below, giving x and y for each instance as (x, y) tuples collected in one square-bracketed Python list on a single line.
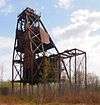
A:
[(85, 70), (20, 71), (70, 71), (13, 69), (75, 69), (59, 79)]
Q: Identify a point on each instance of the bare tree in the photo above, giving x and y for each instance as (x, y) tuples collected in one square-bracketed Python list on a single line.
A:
[(92, 79), (1, 72)]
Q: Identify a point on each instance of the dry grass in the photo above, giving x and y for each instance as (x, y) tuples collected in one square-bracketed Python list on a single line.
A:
[(85, 97), (49, 98), (16, 100)]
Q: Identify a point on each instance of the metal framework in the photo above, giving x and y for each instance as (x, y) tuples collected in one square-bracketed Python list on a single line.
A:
[(75, 61), (35, 55)]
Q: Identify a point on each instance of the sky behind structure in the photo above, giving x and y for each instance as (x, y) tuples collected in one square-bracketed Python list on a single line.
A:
[(71, 23)]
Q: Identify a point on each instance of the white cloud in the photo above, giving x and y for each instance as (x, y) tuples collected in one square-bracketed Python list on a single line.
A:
[(85, 15), (64, 4), (83, 22), (2, 3), (6, 49), (7, 10), (83, 32), (6, 7), (5, 42)]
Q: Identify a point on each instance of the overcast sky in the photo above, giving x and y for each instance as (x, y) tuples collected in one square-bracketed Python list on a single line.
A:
[(71, 23)]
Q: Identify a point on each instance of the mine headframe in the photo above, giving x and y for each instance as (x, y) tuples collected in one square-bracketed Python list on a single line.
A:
[(32, 61), (35, 56)]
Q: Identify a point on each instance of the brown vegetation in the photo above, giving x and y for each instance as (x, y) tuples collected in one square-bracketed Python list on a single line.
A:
[(69, 98)]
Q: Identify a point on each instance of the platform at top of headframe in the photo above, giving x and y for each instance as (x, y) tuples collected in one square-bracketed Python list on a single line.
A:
[(30, 23), (29, 12)]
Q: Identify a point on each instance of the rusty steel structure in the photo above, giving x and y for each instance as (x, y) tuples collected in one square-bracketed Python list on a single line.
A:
[(32, 49), (36, 58)]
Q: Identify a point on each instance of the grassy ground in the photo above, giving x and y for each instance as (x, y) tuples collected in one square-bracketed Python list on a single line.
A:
[(50, 96), (69, 98), (16, 100)]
